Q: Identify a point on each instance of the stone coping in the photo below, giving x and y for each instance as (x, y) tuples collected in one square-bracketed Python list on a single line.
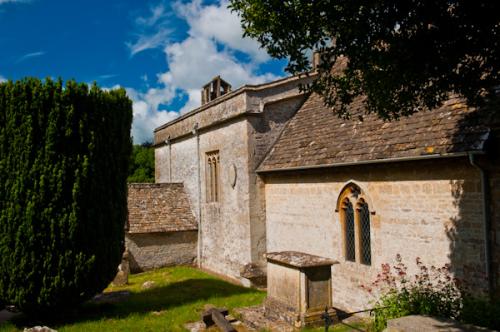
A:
[(298, 259)]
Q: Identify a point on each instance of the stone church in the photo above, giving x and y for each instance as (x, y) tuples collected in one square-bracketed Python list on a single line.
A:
[(266, 168)]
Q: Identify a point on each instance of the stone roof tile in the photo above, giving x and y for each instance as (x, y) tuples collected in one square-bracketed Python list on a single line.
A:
[(316, 136), (159, 207)]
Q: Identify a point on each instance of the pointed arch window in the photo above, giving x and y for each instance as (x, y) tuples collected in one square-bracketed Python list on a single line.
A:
[(364, 236), (349, 240), (356, 224), (212, 176)]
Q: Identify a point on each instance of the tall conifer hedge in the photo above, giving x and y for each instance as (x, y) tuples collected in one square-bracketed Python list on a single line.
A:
[(64, 152)]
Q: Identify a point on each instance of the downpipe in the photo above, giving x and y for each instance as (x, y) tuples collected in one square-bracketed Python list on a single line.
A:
[(196, 133)]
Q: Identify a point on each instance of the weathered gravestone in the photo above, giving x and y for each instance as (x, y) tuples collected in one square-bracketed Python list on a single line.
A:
[(121, 277)]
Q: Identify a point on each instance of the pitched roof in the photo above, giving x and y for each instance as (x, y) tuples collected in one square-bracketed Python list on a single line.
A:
[(317, 137), (159, 207)]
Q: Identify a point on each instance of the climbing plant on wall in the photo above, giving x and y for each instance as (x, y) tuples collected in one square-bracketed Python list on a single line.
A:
[(64, 153)]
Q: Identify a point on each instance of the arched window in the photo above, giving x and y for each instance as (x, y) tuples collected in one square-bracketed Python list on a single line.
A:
[(212, 176), (356, 226), (364, 236), (349, 239)]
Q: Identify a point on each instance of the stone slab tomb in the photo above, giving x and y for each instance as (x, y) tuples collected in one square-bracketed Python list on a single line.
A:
[(298, 288)]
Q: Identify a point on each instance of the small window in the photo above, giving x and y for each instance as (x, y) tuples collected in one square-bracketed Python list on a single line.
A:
[(364, 224), (212, 176), (350, 246), (356, 226)]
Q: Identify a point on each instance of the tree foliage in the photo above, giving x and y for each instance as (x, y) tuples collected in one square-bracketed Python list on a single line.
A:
[(64, 152), (399, 56), (142, 164)]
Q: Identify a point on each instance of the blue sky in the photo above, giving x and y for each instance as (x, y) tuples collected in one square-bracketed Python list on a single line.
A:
[(162, 52)]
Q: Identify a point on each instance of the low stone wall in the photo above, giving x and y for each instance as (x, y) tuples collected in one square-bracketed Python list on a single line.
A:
[(154, 250)]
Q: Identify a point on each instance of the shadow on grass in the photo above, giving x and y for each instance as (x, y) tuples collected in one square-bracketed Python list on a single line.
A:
[(154, 299)]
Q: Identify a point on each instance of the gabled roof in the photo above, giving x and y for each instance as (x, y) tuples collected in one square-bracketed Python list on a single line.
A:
[(159, 207), (317, 137)]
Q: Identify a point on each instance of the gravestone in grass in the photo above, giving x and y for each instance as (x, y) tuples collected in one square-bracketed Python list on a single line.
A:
[(64, 152)]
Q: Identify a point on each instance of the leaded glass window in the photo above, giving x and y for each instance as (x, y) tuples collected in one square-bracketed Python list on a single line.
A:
[(356, 224), (350, 247), (364, 223)]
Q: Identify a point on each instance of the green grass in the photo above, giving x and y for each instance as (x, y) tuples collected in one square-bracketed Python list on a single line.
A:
[(177, 298), (340, 327)]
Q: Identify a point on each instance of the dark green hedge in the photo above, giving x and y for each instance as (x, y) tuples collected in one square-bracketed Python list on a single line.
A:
[(64, 153)]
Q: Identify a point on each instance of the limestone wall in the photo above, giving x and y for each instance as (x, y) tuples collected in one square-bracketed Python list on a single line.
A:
[(225, 230), (155, 250), (242, 126), (225, 224), (264, 130), (426, 209)]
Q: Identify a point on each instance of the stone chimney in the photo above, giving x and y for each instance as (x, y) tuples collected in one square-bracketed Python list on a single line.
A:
[(216, 88)]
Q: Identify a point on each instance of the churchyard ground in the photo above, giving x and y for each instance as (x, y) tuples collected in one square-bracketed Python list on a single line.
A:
[(177, 296)]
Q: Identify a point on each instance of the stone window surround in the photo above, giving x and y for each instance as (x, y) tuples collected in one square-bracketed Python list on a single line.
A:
[(212, 176), (352, 193)]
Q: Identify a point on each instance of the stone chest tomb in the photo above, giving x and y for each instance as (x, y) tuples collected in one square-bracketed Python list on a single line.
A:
[(299, 287)]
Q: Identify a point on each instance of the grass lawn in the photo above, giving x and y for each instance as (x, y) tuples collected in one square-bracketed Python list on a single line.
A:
[(178, 297)]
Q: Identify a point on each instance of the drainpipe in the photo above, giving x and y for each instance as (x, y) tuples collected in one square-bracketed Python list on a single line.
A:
[(199, 253), (487, 222)]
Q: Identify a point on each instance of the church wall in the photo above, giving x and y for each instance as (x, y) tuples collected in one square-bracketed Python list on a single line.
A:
[(179, 163), (264, 130), (426, 209), (225, 229), (225, 224), (215, 111)]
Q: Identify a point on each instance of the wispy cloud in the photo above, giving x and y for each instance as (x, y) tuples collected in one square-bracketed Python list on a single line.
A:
[(14, 1), (157, 14), (30, 55), (2, 79), (149, 41), (106, 76), (152, 31)]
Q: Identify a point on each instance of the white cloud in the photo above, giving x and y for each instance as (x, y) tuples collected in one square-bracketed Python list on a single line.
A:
[(2, 79), (29, 55), (194, 100), (146, 113), (196, 60), (214, 37), (219, 23)]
